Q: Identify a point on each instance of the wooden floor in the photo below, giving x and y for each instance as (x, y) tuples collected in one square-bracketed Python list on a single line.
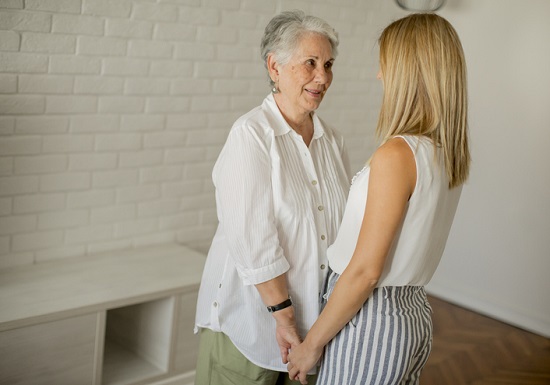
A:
[(471, 349)]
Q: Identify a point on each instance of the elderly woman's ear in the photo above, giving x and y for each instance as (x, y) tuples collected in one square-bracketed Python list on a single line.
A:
[(273, 68)]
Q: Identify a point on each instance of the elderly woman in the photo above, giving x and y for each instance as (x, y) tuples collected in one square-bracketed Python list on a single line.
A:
[(281, 184)]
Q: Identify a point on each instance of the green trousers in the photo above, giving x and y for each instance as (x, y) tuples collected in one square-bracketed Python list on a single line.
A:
[(221, 363)]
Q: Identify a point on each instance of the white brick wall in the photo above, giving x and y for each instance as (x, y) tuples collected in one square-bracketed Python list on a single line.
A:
[(112, 113)]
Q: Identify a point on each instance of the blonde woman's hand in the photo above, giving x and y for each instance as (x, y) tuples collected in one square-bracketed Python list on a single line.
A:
[(301, 359)]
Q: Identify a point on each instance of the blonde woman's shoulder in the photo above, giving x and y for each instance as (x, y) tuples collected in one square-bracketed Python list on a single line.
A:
[(395, 159)]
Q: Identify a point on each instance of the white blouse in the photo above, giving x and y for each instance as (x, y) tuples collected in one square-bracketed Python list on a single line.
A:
[(279, 205), (418, 247)]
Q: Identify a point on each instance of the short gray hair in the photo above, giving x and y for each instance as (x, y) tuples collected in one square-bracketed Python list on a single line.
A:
[(283, 32)]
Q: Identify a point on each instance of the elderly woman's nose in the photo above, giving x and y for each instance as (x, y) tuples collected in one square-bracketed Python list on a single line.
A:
[(322, 75)]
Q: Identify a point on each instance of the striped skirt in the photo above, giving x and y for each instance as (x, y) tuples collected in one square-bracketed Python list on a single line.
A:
[(387, 342)]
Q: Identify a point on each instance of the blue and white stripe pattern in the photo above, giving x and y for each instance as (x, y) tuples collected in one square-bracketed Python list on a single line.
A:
[(387, 342)]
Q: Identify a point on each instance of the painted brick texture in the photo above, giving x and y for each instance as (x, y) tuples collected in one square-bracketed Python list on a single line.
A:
[(112, 113)]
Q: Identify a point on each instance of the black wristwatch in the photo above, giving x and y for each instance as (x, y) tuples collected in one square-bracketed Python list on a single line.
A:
[(283, 305)]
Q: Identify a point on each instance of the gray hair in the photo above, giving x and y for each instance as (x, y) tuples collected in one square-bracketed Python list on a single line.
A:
[(283, 32)]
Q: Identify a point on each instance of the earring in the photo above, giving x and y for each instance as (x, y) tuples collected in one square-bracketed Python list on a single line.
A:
[(275, 89)]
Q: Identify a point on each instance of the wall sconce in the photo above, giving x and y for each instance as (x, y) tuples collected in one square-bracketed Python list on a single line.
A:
[(420, 5)]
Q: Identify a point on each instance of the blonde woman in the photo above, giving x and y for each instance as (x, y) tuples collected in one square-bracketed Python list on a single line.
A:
[(376, 324)]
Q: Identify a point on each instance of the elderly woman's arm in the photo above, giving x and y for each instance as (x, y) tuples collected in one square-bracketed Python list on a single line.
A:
[(244, 194), (274, 292)]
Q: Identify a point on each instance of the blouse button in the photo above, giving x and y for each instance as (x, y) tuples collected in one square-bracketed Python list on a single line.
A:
[(323, 237), (320, 208), (323, 267), (314, 182), (215, 304)]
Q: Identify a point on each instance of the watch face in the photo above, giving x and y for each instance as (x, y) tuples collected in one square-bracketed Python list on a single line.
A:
[(420, 5)]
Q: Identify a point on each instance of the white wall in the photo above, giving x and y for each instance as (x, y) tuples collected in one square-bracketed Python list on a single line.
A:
[(497, 259), (112, 113)]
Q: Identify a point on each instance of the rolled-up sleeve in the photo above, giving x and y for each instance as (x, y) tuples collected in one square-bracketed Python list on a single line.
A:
[(244, 199)]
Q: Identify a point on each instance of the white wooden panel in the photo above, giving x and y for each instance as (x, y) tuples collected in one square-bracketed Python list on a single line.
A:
[(187, 342), (106, 319), (76, 286), (60, 353), (99, 347)]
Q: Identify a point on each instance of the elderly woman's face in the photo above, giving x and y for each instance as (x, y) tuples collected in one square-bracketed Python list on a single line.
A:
[(304, 80)]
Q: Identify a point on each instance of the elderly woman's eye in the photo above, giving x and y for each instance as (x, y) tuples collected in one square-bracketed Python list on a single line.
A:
[(328, 65), (310, 62)]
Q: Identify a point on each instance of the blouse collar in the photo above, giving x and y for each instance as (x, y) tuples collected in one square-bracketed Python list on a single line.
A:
[(283, 127)]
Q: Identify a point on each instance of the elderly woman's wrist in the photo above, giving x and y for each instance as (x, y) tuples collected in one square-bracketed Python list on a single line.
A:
[(285, 316)]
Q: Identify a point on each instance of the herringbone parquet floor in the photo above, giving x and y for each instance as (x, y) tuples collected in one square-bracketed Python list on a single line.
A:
[(471, 349)]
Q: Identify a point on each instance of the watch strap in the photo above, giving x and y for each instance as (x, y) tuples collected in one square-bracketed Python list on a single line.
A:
[(283, 305)]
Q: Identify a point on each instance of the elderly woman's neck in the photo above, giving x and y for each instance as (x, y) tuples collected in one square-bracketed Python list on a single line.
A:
[(303, 126), (301, 122)]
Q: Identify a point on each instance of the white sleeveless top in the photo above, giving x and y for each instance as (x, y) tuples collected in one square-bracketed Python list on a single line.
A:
[(420, 240)]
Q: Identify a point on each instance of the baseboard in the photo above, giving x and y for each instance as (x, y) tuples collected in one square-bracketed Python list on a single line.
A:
[(187, 378), (477, 303)]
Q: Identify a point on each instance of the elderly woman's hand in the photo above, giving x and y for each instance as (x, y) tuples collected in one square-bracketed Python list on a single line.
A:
[(301, 359), (286, 332)]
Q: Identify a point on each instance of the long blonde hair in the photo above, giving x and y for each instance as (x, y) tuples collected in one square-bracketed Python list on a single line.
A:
[(424, 75)]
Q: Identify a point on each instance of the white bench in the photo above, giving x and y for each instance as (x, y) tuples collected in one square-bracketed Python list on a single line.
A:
[(122, 317)]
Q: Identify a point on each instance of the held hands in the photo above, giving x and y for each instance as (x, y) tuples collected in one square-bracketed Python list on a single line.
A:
[(301, 359), (287, 338), (286, 332)]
